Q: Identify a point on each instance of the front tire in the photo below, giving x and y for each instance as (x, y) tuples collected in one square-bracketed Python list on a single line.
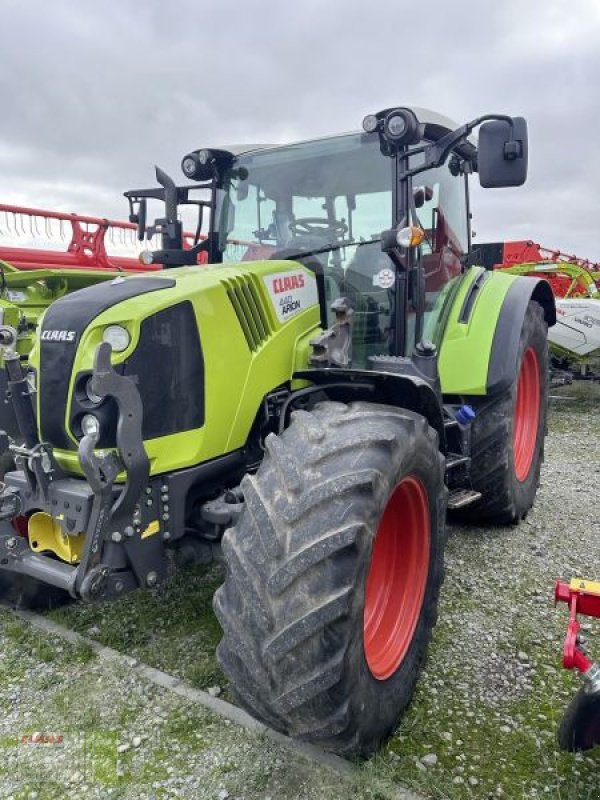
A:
[(507, 434), (23, 591), (334, 572)]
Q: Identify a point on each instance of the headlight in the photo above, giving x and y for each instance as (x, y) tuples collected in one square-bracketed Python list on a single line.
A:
[(395, 126), (370, 123), (90, 426), (91, 394), (188, 165), (401, 127), (117, 337)]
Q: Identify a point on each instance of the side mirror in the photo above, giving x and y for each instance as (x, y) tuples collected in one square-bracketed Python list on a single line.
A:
[(502, 153)]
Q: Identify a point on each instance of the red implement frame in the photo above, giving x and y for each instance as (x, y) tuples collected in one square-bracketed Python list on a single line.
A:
[(582, 598), (86, 248), (526, 251), (565, 283)]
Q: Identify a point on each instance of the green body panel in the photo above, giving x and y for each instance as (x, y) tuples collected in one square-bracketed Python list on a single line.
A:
[(465, 347), (28, 293), (236, 378)]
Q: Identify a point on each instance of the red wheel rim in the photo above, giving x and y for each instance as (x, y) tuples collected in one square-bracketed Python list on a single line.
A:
[(527, 414), (397, 578)]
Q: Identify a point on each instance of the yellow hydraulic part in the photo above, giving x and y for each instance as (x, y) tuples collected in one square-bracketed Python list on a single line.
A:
[(45, 533), (589, 587)]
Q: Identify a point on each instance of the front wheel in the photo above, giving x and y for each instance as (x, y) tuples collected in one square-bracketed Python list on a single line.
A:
[(507, 435), (334, 572), (22, 591)]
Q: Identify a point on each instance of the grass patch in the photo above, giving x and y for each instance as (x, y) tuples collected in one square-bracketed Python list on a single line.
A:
[(172, 628)]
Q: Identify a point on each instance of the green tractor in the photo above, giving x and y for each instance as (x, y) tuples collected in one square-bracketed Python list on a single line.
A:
[(306, 408)]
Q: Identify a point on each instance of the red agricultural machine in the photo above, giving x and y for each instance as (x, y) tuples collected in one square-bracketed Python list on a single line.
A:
[(580, 727), (91, 242), (575, 339)]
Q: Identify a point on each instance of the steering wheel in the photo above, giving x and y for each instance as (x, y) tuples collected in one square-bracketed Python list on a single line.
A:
[(315, 226)]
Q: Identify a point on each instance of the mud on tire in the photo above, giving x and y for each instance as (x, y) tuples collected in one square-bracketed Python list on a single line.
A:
[(507, 496), (292, 605)]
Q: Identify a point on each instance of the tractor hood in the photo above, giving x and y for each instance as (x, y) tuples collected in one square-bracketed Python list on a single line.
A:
[(190, 341)]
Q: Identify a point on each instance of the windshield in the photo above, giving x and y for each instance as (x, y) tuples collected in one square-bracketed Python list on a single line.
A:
[(334, 192), (307, 196)]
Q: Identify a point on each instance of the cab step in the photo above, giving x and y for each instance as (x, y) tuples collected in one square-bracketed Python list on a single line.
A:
[(459, 498)]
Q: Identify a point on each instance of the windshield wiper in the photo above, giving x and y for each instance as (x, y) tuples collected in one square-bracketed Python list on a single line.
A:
[(329, 248)]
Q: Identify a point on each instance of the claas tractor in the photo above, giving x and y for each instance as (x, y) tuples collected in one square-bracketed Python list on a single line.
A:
[(306, 407)]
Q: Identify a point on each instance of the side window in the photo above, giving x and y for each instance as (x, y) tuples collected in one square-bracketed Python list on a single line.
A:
[(255, 235), (443, 215)]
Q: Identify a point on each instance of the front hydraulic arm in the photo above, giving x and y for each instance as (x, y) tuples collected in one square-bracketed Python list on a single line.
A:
[(582, 597)]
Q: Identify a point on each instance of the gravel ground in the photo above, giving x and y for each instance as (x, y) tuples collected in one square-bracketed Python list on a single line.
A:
[(77, 725), (484, 719)]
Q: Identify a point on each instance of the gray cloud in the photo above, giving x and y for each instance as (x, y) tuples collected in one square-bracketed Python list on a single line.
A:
[(93, 94)]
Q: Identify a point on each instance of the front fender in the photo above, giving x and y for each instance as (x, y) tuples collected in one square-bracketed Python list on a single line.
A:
[(404, 391)]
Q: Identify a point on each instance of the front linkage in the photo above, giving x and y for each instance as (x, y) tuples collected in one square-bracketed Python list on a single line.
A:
[(115, 531)]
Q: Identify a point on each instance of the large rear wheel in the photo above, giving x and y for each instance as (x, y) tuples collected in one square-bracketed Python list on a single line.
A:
[(334, 571), (507, 435)]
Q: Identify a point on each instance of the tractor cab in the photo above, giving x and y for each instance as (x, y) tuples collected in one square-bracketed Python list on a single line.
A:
[(327, 201), (339, 204)]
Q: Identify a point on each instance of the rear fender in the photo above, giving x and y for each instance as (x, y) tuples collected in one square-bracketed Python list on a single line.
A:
[(479, 347), (505, 345)]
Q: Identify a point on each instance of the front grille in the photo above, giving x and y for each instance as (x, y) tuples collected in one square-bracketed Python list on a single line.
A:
[(245, 297), (167, 366), (72, 314)]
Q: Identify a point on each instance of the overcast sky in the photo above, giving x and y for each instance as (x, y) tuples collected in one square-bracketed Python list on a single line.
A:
[(94, 93)]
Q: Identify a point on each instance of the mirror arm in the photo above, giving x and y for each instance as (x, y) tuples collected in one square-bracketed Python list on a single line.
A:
[(437, 152)]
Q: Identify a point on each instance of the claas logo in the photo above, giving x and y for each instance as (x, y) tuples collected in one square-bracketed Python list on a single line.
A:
[(288, 283), (58, 336)]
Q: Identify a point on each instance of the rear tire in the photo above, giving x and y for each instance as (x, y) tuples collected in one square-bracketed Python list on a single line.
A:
[(507, 434), (323, 638)]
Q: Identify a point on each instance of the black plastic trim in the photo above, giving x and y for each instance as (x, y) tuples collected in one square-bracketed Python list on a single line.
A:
[(472, 295), (505, 345), (402, 391)]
